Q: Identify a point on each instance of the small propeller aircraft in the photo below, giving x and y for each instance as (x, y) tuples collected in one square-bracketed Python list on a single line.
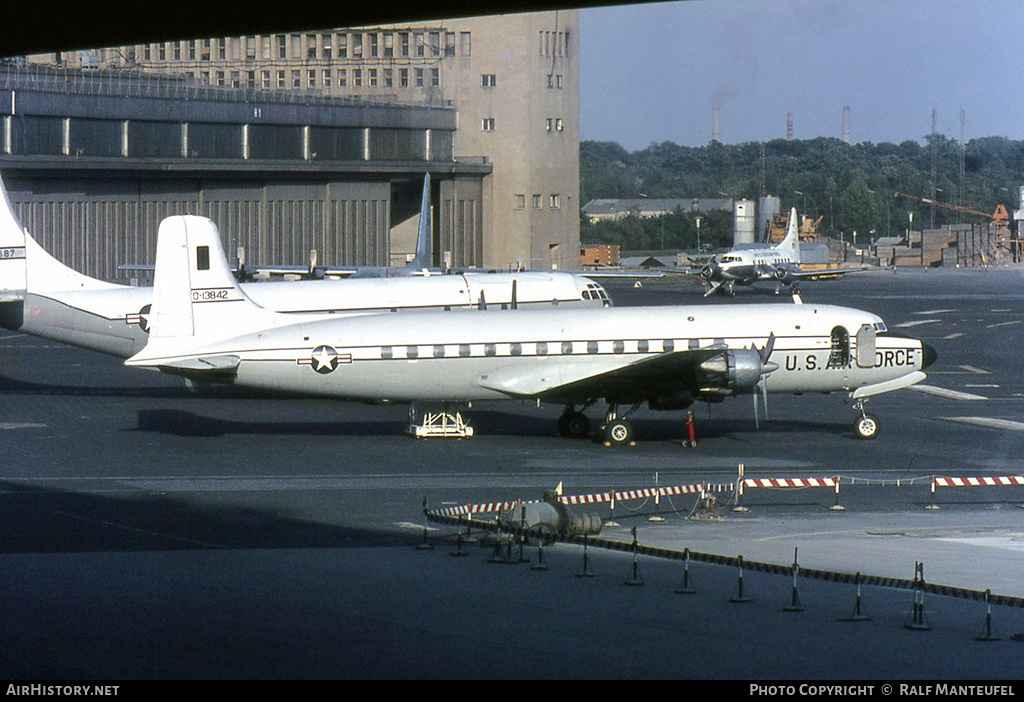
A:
[(779, 263), (203, 325)]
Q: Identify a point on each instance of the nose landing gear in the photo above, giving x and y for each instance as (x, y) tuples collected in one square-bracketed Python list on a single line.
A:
[(867, 425)]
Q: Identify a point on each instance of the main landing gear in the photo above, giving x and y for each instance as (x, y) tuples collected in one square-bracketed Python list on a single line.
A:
[(615, 430), (867, 425)]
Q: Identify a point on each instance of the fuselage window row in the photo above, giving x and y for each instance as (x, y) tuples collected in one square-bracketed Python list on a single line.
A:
[(541, 348)]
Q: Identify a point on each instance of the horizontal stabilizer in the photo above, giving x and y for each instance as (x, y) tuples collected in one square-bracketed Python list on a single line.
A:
[(225, 362)]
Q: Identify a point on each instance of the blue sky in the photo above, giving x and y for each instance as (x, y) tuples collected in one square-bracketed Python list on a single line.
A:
[(651, 72)]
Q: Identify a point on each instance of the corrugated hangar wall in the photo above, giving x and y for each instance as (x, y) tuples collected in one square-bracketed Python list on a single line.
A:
[(97, 224)]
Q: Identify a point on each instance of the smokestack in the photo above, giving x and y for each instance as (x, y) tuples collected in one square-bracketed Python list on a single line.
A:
[(846, 124), (789, 127), (716, 126)]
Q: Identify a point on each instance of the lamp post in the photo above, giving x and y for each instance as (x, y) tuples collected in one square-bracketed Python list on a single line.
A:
[(698, 235)]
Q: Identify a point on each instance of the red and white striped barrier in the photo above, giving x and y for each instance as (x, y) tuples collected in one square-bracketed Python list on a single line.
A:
[(789, 482), (703, 488), (978, 482)]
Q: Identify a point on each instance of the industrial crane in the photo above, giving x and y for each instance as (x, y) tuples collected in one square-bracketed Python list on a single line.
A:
[(1000, 216)]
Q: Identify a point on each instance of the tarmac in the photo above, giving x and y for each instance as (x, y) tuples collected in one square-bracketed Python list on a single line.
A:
[(150, 534)]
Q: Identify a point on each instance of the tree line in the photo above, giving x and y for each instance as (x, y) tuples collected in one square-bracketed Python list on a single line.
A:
[(852, 187)]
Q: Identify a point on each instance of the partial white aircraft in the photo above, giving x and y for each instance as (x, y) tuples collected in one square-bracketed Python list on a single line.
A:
[(779, 263), (41, 296), (204, 325)]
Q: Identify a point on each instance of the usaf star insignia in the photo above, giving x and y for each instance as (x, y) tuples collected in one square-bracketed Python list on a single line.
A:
[(325, 359)]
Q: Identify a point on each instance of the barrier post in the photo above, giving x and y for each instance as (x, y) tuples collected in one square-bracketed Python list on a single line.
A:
[(931, 504), (987, 634), (858, 613), (496, 556), (540, 564), (794, 600), (611, 513), (740, 596), (836, 507), (685, 587), (635, 578), (917, 619), (459, 551), (584, 570), (424, 545), (739, 491), (657, 502)]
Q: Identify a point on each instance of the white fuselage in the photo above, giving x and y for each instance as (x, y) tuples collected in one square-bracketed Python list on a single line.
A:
[(115, 319), (467, 356)]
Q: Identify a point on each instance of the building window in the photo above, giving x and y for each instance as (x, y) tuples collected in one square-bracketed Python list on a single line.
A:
[(537, 202), (403, 77), (489, 80), (296, 78), (389, 45), (403, 43), (520, 201), (515, 349), (342, 45), (566, 348), (357, 45), (542, 348), (311, 46), (374, 45), (280, 80), (550, 123), (342, 77), (357, 77), (435, 77), (435, 43), (386, 352), (487, 124), (389, 78), (419, 77), (592, 347), (412, 352), (373, 77), (465, 44), (490, 349), (420, 46)]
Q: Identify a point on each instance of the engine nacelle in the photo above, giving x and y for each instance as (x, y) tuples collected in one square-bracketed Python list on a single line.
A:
[(675, 401), (729, 372)]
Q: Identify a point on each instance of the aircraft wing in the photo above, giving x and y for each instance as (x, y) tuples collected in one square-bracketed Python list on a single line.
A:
[(826, 273), (656, 376)]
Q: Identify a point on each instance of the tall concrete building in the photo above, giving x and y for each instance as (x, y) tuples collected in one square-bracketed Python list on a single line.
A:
[(513, 79)]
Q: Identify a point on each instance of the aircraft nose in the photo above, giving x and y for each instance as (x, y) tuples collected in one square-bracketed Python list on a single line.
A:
[(929, 355)]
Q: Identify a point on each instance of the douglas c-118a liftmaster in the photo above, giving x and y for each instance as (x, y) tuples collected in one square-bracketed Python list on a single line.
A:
[(204, 325)]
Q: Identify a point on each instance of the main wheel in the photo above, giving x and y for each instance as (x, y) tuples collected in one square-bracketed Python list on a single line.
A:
[(866, 426), (618, 431), (573, 425)]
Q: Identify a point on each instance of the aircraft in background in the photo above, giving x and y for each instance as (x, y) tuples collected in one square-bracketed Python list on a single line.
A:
[(204, 325), (41, 296), (779, 263)]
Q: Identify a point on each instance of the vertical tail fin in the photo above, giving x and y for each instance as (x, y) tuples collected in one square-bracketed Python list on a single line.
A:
[(13, 270), (422, 258), (790, 246), (196, 300), (26, 266), (194, 291)]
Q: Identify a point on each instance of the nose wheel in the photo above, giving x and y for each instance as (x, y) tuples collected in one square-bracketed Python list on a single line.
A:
[(867, 425)]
